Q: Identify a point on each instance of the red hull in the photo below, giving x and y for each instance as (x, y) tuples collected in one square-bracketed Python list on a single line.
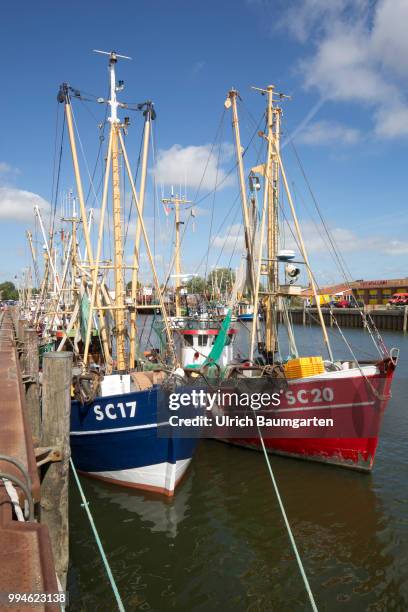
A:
[(358, 402)]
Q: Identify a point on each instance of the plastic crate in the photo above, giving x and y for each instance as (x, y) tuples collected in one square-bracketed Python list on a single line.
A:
[(303, 367)]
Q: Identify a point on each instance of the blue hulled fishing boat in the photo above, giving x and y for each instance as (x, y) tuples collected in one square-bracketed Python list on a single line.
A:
[(116, 432)]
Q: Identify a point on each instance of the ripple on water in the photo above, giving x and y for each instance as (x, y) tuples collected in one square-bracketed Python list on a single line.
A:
[(220, 544)]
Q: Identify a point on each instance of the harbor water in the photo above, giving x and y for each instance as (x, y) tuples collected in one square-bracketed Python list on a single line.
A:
[(221, 544)]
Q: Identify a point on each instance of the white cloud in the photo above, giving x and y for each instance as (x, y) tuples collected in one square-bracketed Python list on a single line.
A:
[(194, 166), (328, 132), (306, 16), (7, 173), (232, 240), (18, 204), (392, 122), (346, 240), (5, 168), (360, 55)]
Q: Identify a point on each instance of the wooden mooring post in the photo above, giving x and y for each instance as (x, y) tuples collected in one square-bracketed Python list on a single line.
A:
[(56, 407), (31, 379), (21, 325), (405, 322)]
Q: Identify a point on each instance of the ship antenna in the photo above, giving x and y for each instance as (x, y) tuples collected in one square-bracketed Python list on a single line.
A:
[(113, 103)]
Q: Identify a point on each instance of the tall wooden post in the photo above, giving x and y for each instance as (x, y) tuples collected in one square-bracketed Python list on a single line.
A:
[(56, 408), (31, 369), (21, 324)]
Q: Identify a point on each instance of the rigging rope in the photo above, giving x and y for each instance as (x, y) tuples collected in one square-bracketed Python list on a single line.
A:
[(55, 196), (85, 505), (367, 318), (287, 524)]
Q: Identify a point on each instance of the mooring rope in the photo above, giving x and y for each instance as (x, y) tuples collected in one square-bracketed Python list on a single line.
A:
[(85, 505), (289, 530)]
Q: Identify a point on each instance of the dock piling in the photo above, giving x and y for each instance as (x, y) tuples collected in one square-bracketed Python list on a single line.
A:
[(31, 380), (56, 406)]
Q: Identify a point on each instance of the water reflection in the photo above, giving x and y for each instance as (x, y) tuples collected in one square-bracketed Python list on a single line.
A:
[(157, 513), (220, 544)]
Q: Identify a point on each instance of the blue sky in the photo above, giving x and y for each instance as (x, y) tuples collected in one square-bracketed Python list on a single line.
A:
[(344, 62)]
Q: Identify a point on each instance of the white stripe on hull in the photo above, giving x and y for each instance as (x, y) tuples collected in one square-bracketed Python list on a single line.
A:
[(161, 477)]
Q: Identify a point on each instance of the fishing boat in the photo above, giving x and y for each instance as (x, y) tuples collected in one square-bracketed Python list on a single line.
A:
[(195, 335), (353, 394), (116, 432), (245, 311)]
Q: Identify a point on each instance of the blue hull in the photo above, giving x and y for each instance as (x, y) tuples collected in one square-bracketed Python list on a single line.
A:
[(245, 317), (118, 438)]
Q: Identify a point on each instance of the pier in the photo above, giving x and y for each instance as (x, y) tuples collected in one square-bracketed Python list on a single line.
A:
[(33, 467), (387, 319)]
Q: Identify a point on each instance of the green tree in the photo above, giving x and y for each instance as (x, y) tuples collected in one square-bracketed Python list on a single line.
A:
[(196, 285), (129, 285), (8, 291), (221, 279)]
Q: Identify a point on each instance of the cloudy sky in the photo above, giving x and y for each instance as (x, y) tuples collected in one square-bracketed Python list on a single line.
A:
[(343, 62)]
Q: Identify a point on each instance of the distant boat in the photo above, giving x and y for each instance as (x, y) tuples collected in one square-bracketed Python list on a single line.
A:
[(246, 312)]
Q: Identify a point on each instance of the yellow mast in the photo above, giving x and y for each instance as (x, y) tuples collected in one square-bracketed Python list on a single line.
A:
[(231, 101), (118, 253), (63, 96), (116, 126), (149, 254), (271, 194), (149, 115), (273, 140)]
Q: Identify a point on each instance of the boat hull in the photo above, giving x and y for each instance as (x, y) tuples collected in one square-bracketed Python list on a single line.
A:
[(356, 403), (118, 439), (245, 317)]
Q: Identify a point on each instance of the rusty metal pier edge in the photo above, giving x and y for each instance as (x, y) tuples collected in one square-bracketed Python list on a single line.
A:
[(35, 452)]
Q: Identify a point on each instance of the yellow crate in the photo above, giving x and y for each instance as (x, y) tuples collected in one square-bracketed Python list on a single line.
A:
[(303, 367)]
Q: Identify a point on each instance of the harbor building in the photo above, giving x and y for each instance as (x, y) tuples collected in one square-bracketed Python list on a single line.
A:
[(369, 292)]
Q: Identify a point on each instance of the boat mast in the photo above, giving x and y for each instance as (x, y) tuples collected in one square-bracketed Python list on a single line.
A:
[(63, 96), (117, 221), (34, 257), (176, 200), (149, 115), (231, 101), (117, 143), (271, 195), (273, 137)]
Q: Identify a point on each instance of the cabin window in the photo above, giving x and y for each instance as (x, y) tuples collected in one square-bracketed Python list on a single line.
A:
[(202, 340), (188, 340)]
